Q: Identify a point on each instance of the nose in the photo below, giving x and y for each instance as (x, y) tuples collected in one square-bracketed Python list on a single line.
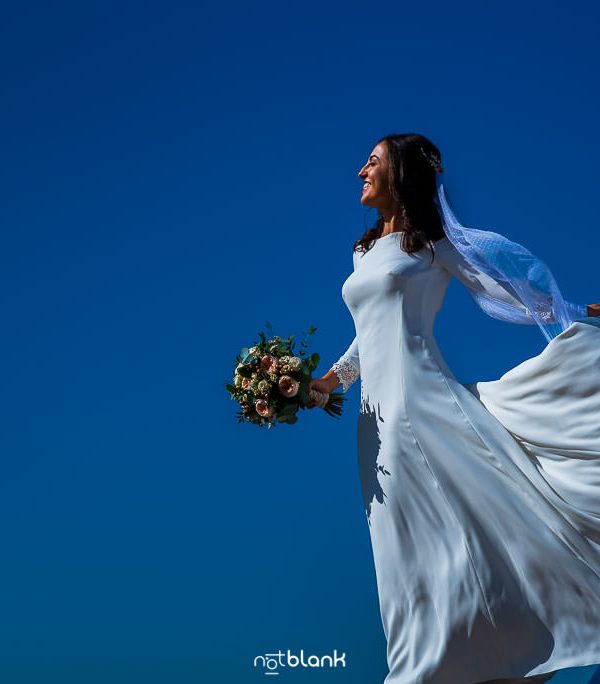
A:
[(361, 173)]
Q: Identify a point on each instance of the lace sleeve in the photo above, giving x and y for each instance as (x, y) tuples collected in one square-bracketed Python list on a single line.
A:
[(347, 367)]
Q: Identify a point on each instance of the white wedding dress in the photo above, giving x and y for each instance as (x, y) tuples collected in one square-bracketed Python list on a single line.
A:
[(483, 500)]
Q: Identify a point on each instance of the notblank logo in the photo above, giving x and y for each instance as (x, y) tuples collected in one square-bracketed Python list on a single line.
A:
[(272, 663)]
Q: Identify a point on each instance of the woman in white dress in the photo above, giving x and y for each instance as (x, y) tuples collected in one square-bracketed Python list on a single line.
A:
[(482, 500)]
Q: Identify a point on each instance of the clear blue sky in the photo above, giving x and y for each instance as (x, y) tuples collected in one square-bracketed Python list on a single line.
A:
[(174, 175)]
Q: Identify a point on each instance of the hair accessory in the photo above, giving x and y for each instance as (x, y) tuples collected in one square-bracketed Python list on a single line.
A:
[(433, 159)]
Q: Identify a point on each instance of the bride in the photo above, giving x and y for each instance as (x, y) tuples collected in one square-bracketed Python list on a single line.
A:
[(482, 500)]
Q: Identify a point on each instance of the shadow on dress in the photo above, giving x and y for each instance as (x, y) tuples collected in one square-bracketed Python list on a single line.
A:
[(536, 679), (369, 444)]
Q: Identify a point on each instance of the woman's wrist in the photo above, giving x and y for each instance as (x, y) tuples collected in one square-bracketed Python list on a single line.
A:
[(332, 380)]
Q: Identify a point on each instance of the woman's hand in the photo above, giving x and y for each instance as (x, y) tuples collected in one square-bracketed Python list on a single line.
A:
[(593, 309), (325, 385)]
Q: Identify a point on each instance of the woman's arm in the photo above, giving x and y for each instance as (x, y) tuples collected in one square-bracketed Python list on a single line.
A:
[(346, 370), (477, 281)]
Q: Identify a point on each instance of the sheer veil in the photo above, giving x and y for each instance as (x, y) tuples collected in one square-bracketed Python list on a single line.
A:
[(513, 266)]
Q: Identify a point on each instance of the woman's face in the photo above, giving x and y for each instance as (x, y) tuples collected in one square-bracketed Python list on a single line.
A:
[(375, 191)]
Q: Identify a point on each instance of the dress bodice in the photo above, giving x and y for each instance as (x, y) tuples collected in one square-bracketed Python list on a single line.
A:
[(394, 296), (388, 279)]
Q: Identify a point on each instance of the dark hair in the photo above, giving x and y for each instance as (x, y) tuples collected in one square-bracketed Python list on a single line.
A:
[(411, 183)]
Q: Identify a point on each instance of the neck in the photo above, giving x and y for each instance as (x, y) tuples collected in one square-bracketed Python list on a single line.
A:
[(391, 223)]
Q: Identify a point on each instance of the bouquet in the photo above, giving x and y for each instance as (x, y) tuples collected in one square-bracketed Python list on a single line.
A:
[(270, 381)]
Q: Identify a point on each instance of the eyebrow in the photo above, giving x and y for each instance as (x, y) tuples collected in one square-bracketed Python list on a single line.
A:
[(374, 155)]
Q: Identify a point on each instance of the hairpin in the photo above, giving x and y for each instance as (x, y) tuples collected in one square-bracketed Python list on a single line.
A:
[(433, 159)]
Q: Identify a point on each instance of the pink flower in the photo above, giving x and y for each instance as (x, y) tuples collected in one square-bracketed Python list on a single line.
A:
[(263, 409), (288, 386), (269, 363), (246, 383)]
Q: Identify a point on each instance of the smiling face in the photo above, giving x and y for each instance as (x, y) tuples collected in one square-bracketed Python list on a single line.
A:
[(375, 173)]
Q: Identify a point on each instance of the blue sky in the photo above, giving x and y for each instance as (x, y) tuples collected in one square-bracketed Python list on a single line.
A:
[(174, 175)]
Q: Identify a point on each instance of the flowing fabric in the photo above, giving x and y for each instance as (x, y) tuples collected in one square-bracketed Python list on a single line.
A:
[(514, 268), (482, 500)]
